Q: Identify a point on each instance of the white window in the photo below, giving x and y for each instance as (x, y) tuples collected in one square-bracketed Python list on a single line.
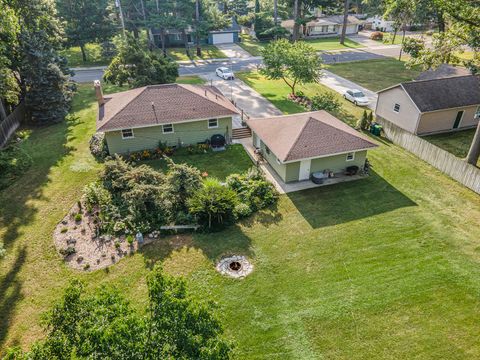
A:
[(396, 108), (167, 129), (127, 134), (213, 123), (350, 156)]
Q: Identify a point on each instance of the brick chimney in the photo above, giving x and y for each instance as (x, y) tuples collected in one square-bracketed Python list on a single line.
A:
[(98, 92)]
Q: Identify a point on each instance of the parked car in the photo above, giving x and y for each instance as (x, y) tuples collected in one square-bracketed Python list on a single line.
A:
[(357, 97), (225, 73)]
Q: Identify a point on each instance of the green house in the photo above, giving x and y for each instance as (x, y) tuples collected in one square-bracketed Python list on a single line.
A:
[(172, 114), (296, 146)]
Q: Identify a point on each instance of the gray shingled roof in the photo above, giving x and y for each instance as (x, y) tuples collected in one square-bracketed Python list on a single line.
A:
[(308, 135), (442, 72), (174, 103), (438, 94)]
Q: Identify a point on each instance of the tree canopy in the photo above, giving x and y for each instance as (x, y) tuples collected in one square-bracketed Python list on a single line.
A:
[(294, 63), (104, 325)]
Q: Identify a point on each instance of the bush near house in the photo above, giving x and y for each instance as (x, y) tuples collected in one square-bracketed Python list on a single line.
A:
[(376, 35), (130, 199)]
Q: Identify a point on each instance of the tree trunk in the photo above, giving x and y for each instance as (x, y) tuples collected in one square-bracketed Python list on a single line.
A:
[(275, 13), (474, 152), (84, 54), (3, 113), (197, 32), (440, 21), (403, 39), (296, 26), (345, 22), (185, 42), (394, 35), (162, 39)]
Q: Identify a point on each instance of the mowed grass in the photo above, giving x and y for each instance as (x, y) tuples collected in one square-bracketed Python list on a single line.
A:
[(458, 143), (216, 164), (381, 268), (94, 55), (255, 47), (375, 75)]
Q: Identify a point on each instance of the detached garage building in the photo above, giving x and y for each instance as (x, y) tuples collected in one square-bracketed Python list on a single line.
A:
[(225, 36), (296, 146), (432, 106)]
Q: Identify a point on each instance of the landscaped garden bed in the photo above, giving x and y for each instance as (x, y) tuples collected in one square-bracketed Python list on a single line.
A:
[(130, 205)]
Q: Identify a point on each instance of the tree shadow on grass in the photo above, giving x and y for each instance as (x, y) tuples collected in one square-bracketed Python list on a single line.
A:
[(10, 293), (214, 245), (341, 203)]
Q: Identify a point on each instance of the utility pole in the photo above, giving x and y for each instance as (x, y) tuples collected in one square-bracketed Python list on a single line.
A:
[(118, 4), (197, 30)]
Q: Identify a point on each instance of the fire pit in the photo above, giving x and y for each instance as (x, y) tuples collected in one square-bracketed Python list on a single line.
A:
[(235, 266)]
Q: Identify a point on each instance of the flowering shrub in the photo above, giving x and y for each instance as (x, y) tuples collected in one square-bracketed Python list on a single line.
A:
[(198, 149), (98, 146)]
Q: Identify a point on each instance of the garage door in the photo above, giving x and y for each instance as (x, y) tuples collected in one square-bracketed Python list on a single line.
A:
[(226, 38)]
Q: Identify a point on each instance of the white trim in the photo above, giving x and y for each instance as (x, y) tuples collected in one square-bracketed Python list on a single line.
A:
[(304, 170), (127, 137), (212, 127), (169, 132), (174, 122), (395, 106), (353, 156)]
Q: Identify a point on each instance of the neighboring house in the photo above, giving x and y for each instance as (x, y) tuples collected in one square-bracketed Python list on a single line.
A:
[(298, 145), (442, 72), (326, 26), (174, 38), (173, 114), (432, 106), (378, 23)]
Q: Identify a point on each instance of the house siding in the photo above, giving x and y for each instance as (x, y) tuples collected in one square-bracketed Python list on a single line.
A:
[(407, 117), (184, 133), (280, 169), (337, 163), (440, 121)]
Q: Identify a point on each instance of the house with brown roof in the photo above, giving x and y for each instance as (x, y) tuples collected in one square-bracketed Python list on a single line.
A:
[(438, 104), (296, 146), (171, 114), (326, 26)]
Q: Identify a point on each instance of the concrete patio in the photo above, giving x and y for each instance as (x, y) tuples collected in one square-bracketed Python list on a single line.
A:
[(282, 187)]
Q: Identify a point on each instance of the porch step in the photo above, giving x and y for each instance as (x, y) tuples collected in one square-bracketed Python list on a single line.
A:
[(241, 133)]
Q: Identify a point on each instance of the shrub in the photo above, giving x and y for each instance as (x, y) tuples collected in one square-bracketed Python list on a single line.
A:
[(376, 35), (242, 210), (326, 101), (130, 239), (64, 230), (3, 252), (364, 125), (86, 266), (429, 32), (98, 146), (78, 217), (68, 251), (96, 195), (213, 204), (117, 245)]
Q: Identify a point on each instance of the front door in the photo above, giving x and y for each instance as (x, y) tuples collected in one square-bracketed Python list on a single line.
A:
[(459, 117), (304, 173)]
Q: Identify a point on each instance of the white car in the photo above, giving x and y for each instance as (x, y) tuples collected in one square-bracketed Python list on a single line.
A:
[(225, 73), (357, 97)]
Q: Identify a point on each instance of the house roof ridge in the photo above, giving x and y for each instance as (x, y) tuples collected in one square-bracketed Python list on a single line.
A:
[(205, 87), (124, 106), (298, 137)]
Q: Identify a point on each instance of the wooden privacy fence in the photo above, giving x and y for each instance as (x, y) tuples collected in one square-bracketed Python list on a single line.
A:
[(11, 123), (442, 160)]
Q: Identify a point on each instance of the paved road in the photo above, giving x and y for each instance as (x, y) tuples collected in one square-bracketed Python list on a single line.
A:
[(252, 63)]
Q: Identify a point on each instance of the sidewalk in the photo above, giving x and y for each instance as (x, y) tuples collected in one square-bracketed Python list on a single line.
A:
[(340, 85)]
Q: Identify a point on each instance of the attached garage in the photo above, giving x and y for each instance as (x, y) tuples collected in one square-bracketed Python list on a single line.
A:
[(223, 37)]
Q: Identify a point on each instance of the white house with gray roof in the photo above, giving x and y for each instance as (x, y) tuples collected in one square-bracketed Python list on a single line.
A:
[(432, 106)]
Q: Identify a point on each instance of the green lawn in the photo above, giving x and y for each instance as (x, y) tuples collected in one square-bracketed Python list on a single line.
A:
[(375, 74), (457, 143), (190, 79), (94, 55), (216, 164), (255, 47), (381, 268), (208, 52)]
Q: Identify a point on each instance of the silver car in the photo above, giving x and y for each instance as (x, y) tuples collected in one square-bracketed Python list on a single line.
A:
[(225, 73), (357, 97)]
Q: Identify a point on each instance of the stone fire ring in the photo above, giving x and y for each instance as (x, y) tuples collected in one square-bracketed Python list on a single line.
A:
[(235, 266)]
